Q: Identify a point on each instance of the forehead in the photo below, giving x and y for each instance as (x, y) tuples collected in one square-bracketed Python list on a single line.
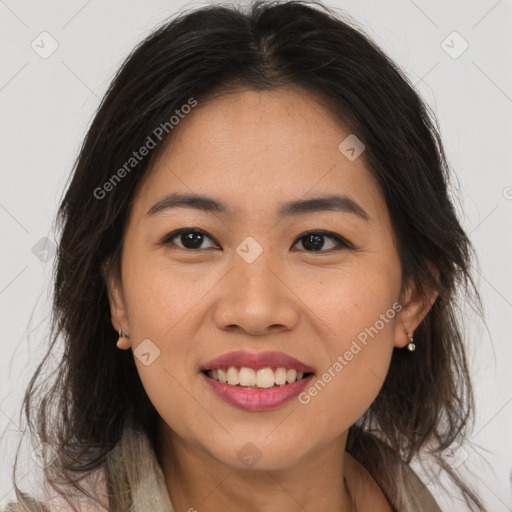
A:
[(252, 149)]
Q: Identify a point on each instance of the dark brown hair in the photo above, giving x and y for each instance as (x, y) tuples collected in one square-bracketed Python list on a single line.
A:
[(426, 398)]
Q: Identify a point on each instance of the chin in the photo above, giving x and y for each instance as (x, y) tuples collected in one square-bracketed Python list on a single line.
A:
[(255, 453)]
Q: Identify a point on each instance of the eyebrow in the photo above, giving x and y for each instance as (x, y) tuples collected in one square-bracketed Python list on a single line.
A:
[(207, 204)]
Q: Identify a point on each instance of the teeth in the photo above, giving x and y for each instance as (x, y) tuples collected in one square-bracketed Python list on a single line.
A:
[(263, 378), (291, 376), (233, 376), (280, 376), (222, 376), (247, 377)]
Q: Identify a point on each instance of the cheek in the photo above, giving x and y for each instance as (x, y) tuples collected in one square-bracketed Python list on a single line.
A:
[(353, 301), (360, 310), (161, 295), (160, 308)]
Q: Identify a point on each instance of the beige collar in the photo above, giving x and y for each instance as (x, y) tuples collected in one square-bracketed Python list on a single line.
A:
[(134, 458)]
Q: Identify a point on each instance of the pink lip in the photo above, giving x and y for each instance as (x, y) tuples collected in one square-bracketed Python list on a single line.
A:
[(256, 361), (257, 399)]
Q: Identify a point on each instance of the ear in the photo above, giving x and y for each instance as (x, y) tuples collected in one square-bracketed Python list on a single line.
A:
[(415, 307), (118, 314)]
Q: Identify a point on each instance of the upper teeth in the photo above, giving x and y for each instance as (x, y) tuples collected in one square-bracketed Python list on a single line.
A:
[(262, 378)]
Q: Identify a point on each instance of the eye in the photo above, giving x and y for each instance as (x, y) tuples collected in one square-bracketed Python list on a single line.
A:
[(190, 238), (312, 241)]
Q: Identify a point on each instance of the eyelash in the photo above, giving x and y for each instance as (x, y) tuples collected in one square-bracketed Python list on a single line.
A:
[(342, 243)]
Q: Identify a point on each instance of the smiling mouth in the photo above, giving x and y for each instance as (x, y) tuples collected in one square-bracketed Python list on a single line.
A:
[(263, 378)]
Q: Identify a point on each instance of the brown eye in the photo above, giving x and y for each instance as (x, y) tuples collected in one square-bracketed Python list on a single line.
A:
[(314, 241), (191, 239)]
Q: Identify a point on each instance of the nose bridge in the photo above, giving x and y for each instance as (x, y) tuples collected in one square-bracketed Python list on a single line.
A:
[(254, 264), (256, 298)]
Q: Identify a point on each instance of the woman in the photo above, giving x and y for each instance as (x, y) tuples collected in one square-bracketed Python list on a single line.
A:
[(256, 281)]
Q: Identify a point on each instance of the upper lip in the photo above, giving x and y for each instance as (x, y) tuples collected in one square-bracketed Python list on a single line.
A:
[(256, 360)]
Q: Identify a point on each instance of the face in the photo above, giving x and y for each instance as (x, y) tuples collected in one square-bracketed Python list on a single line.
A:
[(318, 285)]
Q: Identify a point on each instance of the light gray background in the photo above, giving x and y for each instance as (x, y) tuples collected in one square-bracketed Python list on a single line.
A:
[(47, 105)]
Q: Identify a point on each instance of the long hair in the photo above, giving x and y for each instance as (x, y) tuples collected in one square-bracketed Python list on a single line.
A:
[(426, 400)]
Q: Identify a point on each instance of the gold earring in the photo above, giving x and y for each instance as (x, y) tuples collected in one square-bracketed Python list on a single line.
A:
[(410, 346)]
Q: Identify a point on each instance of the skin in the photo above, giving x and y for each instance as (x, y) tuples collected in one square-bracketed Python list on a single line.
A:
[(253, 151)]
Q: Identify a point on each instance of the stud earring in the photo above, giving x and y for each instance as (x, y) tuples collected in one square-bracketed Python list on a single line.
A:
[(410, 346)]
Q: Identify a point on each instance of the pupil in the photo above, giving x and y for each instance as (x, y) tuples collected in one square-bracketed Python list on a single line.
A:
[(315, 242), (191, 240)]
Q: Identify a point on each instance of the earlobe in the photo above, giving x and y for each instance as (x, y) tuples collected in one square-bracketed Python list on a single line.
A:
[(123, 342), (117, 309), (415, 309)]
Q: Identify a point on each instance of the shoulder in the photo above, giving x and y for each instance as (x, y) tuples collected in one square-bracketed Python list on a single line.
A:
[(363, 488), (386, 475), (413, 492), (52, 501)]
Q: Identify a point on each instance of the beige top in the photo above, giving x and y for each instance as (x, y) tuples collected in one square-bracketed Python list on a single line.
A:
[(150, 493)]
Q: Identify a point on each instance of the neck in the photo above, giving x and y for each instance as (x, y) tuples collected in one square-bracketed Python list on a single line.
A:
[(197, 480)]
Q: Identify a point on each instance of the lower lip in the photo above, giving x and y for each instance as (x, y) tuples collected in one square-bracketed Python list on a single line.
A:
[(257, 399)]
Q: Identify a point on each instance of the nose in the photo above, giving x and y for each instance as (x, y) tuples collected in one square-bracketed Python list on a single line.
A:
[(256, 299)]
